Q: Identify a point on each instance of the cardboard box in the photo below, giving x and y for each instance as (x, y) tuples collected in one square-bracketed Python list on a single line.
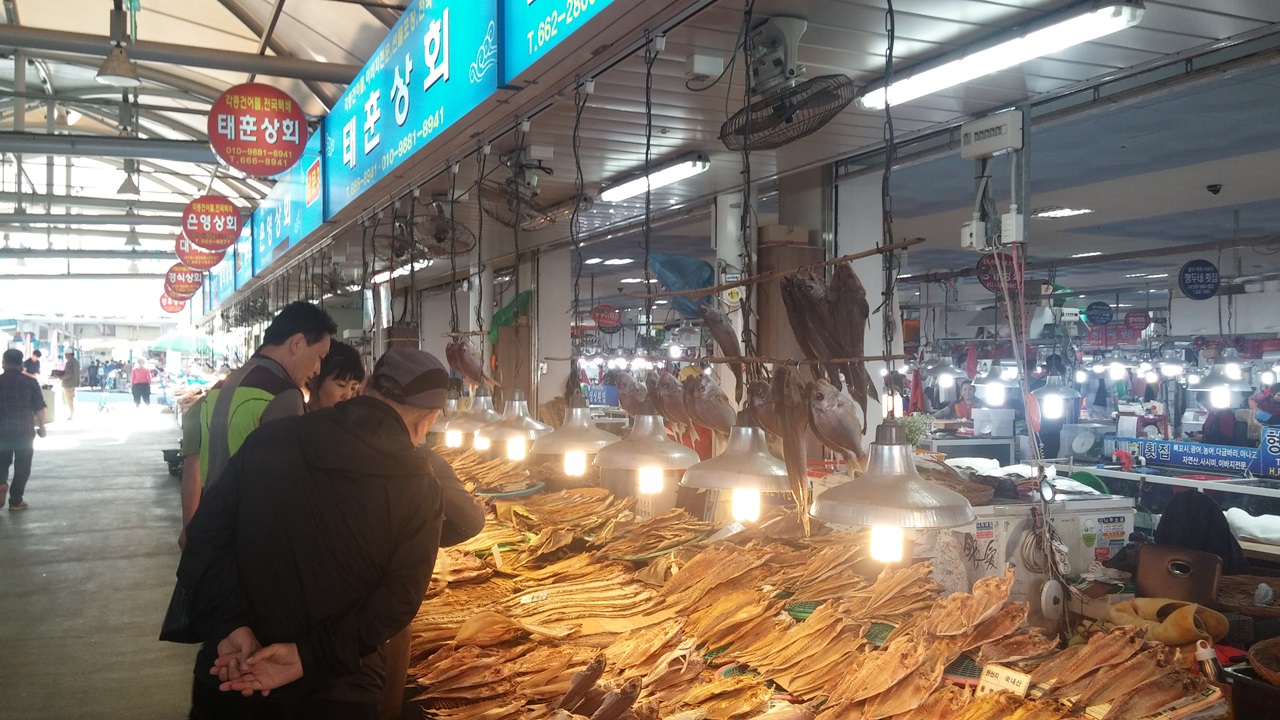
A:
[(784, 235)]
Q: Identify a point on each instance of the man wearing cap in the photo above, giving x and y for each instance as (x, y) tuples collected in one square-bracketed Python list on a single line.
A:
[(21, 411), (315, 546)]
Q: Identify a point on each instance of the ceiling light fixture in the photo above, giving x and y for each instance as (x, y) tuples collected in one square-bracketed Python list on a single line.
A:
[(576, 439), (118, 70), (1158, 275), (618, 261), (682, 168), (1053, 213), (1086, 254), (1057, 32), (515, 429), (746, 468), (464, 424), (593, 261), (129, 186), (647, 452)]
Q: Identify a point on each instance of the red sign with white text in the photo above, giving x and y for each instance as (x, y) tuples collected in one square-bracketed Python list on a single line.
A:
[(170, 305), (211, 222), (196, 257), (606, 316), (1114, 335), (182, 283), (1137, 320), (257, 129)]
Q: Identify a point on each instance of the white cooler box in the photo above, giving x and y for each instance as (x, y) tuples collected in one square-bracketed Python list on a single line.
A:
[(1092, 529)]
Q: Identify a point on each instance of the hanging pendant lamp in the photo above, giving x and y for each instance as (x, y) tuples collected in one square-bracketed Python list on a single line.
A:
[(1170, 362), (891, 495), (1054, 395), (463, 425), (646, 454), (450, 411), (576, 440), (746, 468), (515, 429)]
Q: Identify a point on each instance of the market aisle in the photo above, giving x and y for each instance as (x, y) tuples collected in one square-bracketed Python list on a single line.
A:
[(86, 573)]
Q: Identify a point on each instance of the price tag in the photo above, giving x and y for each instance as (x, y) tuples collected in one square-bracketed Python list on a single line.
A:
[(998, 677), (534, 597)]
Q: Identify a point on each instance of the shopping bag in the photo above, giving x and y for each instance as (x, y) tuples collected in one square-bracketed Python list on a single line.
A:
[(177, 625)]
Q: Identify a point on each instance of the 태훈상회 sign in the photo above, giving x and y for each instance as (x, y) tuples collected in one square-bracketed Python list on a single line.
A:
[(531, 28), (437, 64)]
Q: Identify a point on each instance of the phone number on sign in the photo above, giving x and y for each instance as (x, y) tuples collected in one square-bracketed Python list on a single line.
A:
[(549, 27)]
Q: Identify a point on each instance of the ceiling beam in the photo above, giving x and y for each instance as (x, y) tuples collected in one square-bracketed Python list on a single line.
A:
[(104, 146), (39, 39), (102, 234), (111, 203), (86, 254), (198, 91), (250, 22), (85, 276), (122, 220)]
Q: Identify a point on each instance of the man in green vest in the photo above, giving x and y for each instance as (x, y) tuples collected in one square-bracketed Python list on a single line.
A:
[(267, 387)]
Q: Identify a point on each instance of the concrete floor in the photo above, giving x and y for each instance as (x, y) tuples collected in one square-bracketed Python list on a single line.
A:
[(86, 572)]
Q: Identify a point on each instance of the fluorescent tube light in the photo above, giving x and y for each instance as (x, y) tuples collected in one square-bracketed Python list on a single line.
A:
[(1159, 275), (593, 261), (618, 261), (1086, 254), (682, 168), (1059, 212), (1082, 25), (389, 275)]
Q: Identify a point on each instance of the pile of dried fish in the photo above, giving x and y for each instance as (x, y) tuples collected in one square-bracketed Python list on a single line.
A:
[(485, 476), (582, 511), (657, 534)]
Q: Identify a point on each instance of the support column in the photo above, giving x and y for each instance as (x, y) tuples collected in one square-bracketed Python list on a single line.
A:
[(727, 240), (858, 208), (802, 201), (553, 326)]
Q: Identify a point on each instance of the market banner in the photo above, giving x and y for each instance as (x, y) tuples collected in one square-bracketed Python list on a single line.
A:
[(211, 222), (257, 129), (222, 283), (181, 282), (1199, 279), (292, 210), (1114, 335), (1263, 461), (436, 65), (196, 257), (244, 256), (171, 305)]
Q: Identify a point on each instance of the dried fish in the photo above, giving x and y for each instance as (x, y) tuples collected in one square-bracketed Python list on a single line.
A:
[(910, 692), (995, 706), (760, 403), (618, 702), (944, 703), (851, 314), (707, 404), (726, 339), (1113, 682), (654, 392), (632, 396), (788, 400), (1032, 643), (1102, 649), (835, 422), (1151, 696), (466, 362), (799, 320), (674, 408), (583, 681)]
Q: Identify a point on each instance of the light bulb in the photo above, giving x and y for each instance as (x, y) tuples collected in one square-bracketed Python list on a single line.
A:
[(1008, 373), (1082, 376), (1144, 366), (746, 504), (1268, 377), (453, 438), (1193, 379), (1220, 397), (945, 380), (675, 351), (575, 463), (892, 403), (650, 480), (1116, 371), (1233, 371), (995, 394), (517, 448), (1170, 370), (1099, 368), (1054, 407), (886, 543), (1152, 377), (481, 442), (884, 372)]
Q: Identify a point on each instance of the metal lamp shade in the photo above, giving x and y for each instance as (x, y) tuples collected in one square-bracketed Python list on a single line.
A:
[(892, 492), (480, 414), (515, 422), (1056, 385), (578, 434), (450, 411), (1218, 376), (647, 445), (745, 464), (118, 70)]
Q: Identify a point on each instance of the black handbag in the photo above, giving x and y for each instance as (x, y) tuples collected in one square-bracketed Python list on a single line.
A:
[(177, 627)]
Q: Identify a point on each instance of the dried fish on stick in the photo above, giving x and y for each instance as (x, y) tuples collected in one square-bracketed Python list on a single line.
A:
[(788, 400), (835, 422), (726, 339), (707, 404)]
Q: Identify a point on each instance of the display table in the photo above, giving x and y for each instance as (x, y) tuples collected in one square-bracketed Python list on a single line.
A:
[(1003, 449)]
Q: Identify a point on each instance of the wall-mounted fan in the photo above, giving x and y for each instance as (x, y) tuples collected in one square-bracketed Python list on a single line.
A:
[(334, 281), (440, 234), (786, 111)]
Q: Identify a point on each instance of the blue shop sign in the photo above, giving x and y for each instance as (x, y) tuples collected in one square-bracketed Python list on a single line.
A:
[(531, 28), (292, 210), (437, 64), (222, 280), (1199, 280), (243, 256), (602, 395), (1099, 313), (1263, 461)]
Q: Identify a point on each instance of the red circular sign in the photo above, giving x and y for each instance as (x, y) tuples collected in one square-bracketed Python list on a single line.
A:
[(182, 283), (211, 222), (171, 305), (257, 129), (989, 272), (1137, 320), (606, 316), (195, 257)]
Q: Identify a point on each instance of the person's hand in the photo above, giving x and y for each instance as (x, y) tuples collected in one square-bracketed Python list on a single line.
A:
[(271, 667), (41, 432), (233, 653)]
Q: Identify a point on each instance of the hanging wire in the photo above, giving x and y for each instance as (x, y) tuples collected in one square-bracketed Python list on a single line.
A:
[(745, 227), (410, 309), (453, 254), (579, 105), (650, 56), (889, 259), (519, 159), (481, 158)]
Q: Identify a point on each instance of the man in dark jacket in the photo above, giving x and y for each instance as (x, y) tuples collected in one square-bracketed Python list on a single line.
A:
[(315, 546)]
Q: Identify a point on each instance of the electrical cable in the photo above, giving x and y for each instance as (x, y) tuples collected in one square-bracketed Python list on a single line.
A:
[(481, 159), (650, 56), (889, 261), (745, 221), (453, 256), (579, 105)]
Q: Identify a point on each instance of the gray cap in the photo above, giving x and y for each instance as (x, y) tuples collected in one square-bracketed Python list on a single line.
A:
[(411, 377)]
